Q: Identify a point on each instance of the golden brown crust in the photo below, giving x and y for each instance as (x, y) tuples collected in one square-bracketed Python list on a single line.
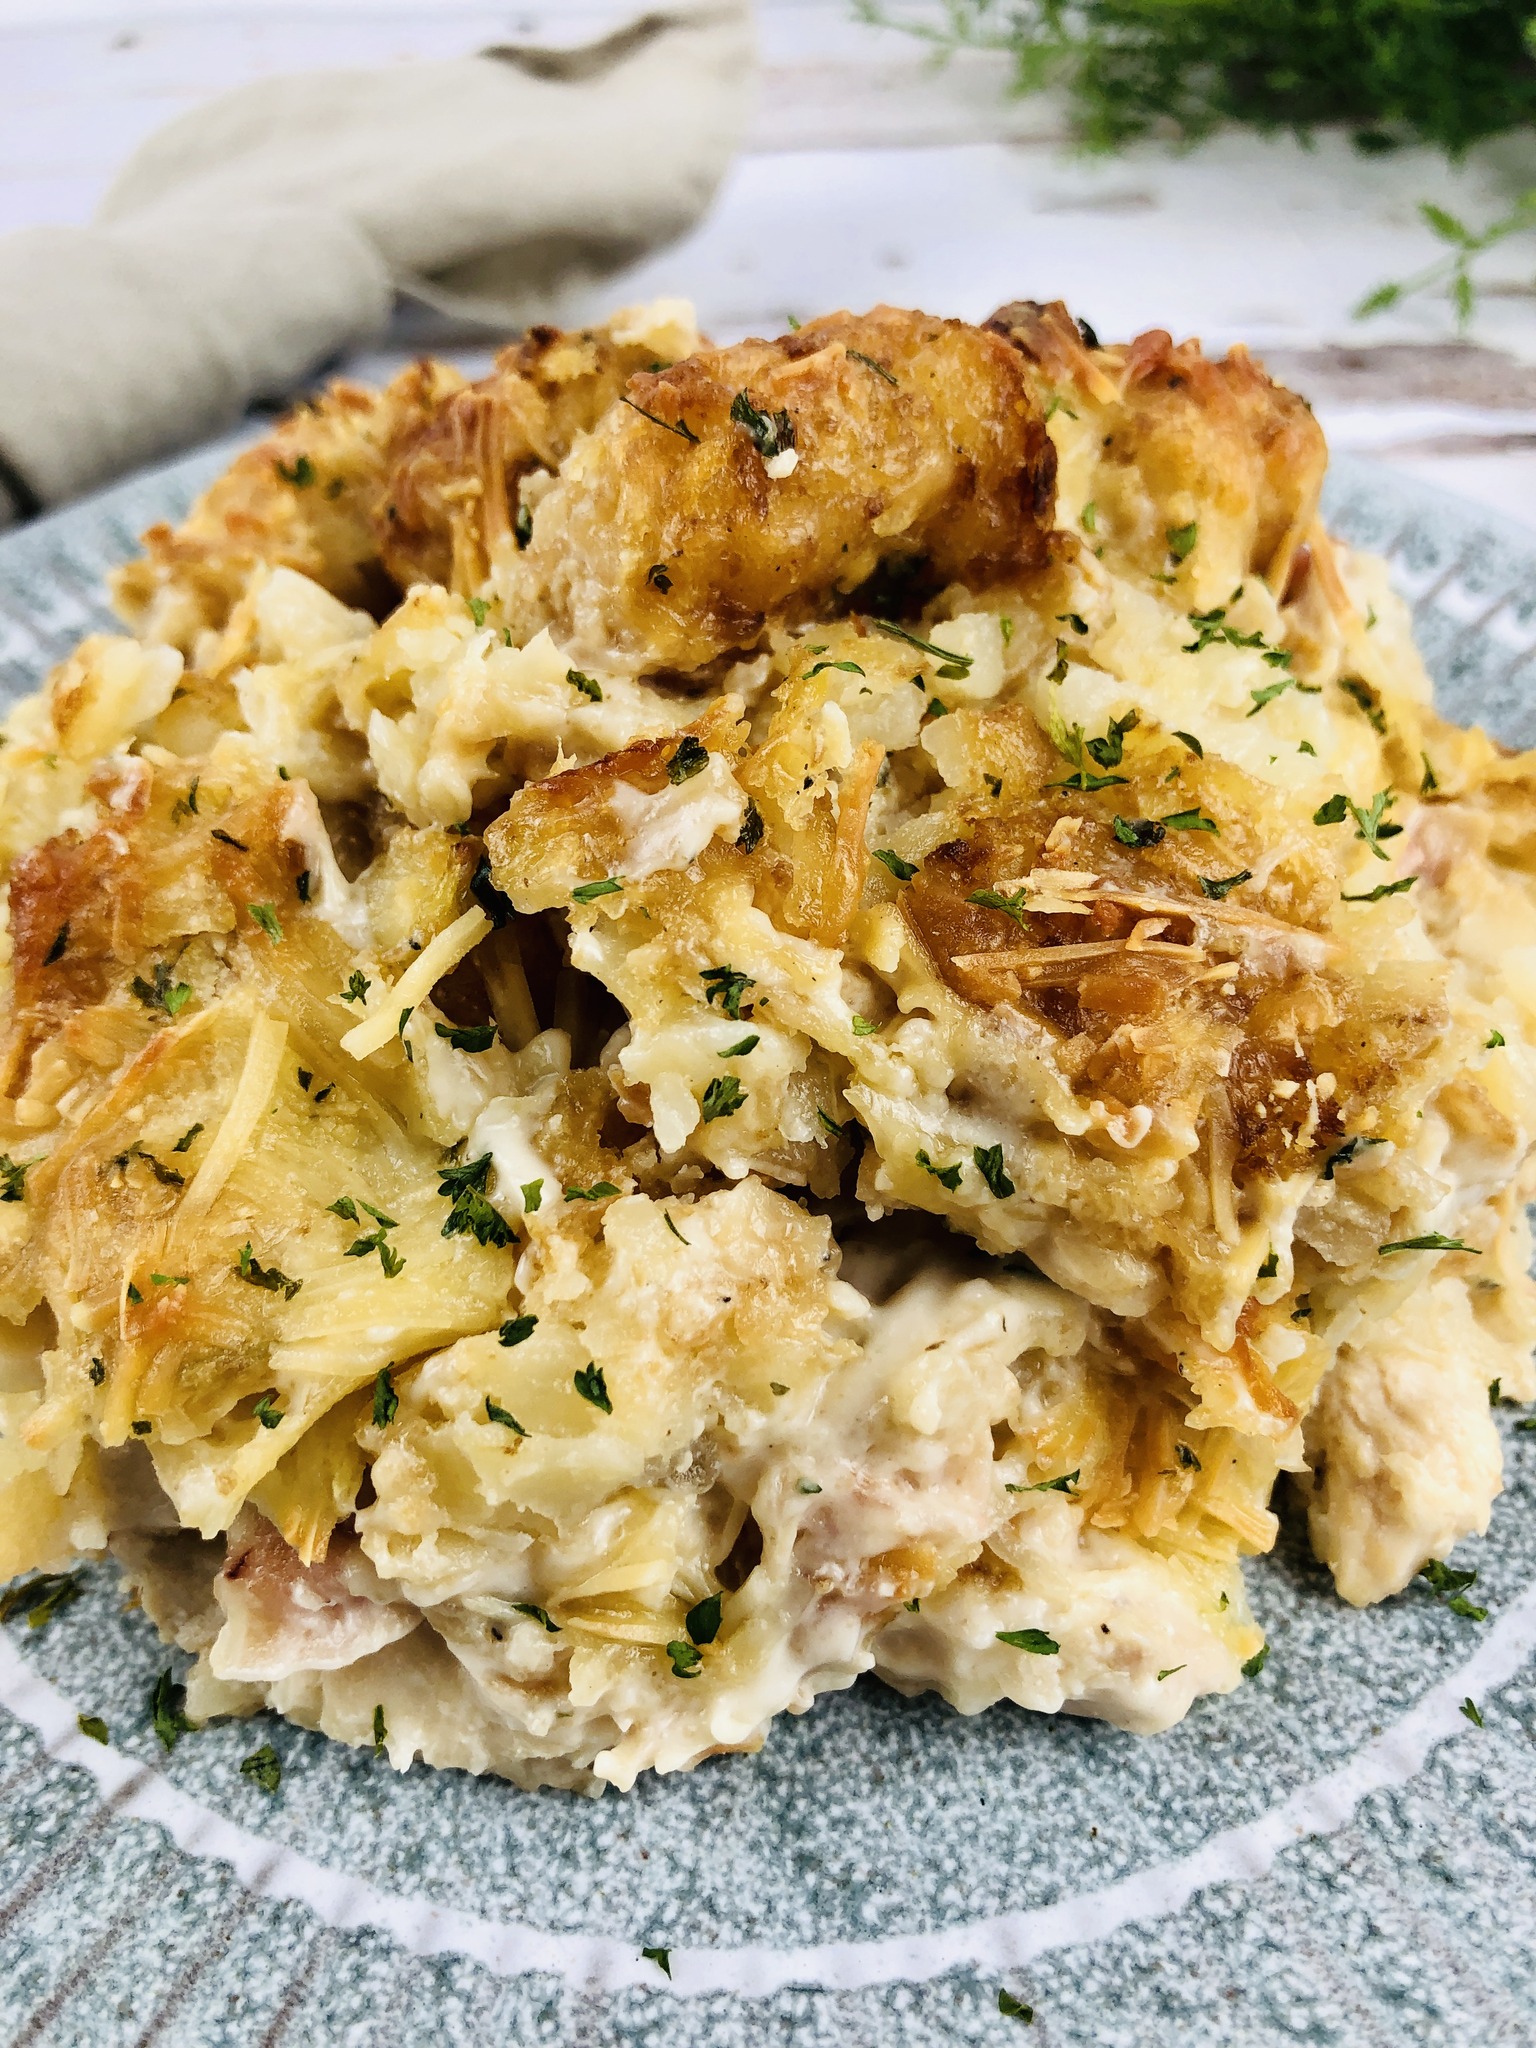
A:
[(918, 453), (450, 507), (1217, 442)]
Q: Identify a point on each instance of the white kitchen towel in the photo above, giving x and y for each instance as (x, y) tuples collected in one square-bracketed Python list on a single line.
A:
[(272, 228)]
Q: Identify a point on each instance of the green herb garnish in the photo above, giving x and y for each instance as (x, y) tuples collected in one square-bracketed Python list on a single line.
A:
[(264, 1767), (989, 1164), (723, 1097), (1034, 1640), (258, 1275), (727, 986), (472, 1214), (591, 1385)]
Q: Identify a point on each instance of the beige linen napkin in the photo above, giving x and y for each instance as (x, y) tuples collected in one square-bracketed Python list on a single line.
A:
[(253, 238)]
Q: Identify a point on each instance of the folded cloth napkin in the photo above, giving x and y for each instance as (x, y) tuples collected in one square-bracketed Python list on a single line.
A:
[(270, 229)]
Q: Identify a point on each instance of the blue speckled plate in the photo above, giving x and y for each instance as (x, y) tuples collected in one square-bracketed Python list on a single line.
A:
[(1337, 1854)]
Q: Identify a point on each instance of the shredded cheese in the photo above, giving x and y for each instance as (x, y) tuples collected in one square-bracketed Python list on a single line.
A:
[(435, 960)]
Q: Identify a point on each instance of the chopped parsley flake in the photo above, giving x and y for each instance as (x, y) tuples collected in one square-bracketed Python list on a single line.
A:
[(807, 1486), (723, 1097), (991, 899), (56, 951), (135, 1300), (93, 1726), (170, 1279), (162, 993), (703, 1622), (266, 917), (1493, 1040), (687, 1662), (517, 1330), (533, 1196), (1219, 890), (1182, 540), (869, 363), (13, 1177), (168, 1711), (264, 1767), (1014, 2008), (662, 1957), (954, 666), (1192, 820), (903, 870), (1108, 751), (588, 892), (1255, 1664), (680, 427), (269, 1277), (1432, 1241), (538, 1614), (1192, 743), (1431, 781), (494, 1413), (1034, 1640), (1382, 889), (741, 1048), (862, 1028), (386, 1401), (1067, 1483), (477, 609), (1361, 692), (229, 839), (301, 886), (750, 836), (1370, 824), (40, 1599), (726, 986), (1470, 1708), (1333, 812), (1090, 517), (186, 806), (591, 1385), (266, 1414), (380, 1732), (666, 1217), (167, 1176), (849, 667), (658, 578), (589, 686), (301, 475), (599, 1191), (1075, 620), (468, 1037), (1270, 1267), (471, 1214), (1349, 1150), (989, 1164), (691, 758), (771, 432), (1186, 1457), (946, 1176), (1139, 831), (357, 987)]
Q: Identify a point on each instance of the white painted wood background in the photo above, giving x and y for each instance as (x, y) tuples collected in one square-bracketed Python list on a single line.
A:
[(868, 174)]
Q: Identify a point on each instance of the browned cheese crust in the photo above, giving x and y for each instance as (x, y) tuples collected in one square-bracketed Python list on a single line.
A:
[(1211, 442), (921, 457)]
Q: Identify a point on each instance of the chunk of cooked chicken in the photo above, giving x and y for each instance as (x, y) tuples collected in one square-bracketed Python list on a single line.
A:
[(762, 484)]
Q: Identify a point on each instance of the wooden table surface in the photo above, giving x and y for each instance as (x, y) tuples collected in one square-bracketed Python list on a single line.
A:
[(869, 174)]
